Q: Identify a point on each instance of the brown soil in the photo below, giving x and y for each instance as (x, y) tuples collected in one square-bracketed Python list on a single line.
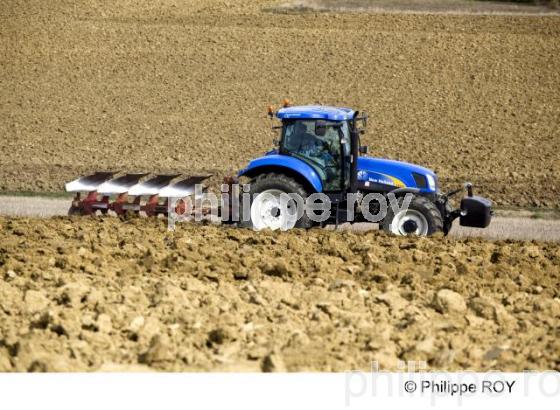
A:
[(101, 293), (184, 86)]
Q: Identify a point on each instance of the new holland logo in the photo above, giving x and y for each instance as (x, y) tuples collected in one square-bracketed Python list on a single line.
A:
[(362, 175)]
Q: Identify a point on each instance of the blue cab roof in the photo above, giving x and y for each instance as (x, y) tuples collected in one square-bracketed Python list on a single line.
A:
[(321, 112)]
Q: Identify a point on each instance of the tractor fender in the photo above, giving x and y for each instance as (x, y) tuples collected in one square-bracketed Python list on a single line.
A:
[(287, 165), (400, 191)]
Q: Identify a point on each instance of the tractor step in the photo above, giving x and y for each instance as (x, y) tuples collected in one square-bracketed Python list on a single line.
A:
[(132, 192)]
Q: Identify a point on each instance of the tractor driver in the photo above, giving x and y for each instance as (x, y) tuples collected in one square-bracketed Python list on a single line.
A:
[(310, 145), (320, 149)]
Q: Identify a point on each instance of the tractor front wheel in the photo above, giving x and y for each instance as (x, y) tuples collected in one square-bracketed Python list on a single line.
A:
[(270, 206), (421, 218)]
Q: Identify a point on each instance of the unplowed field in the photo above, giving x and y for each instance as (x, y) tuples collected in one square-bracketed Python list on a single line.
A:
[(106, 294), (183, 86)]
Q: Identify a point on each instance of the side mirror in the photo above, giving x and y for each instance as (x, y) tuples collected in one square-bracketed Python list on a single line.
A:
[(363, 149), (320, 128)]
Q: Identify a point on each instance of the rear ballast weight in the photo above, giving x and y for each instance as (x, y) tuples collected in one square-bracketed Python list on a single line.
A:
[(318, 152), (474, 211)]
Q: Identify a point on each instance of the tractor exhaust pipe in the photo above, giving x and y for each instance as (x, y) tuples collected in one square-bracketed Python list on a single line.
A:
[(354, 153)]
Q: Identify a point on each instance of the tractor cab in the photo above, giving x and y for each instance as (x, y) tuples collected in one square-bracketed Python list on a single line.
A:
[(321, 137), (324, 145)]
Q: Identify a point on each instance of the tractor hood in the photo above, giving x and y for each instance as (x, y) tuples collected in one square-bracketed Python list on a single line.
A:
[(386, 173)]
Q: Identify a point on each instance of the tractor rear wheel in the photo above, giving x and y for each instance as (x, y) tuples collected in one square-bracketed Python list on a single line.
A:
[(270, 208), (422, 218)]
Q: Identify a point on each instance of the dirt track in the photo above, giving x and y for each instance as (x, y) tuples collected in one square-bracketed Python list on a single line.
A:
[(418, 7), (100, 293), (184, 87), (506, 225)]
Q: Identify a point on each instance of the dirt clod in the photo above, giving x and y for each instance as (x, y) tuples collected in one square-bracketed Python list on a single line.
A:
[(273, 363), (35, 301), (447, 301)]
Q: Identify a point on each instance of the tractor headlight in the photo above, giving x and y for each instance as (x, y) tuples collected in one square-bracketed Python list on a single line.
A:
[(431, 182)]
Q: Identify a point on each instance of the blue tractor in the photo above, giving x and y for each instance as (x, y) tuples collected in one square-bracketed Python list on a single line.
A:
[(319, 152)]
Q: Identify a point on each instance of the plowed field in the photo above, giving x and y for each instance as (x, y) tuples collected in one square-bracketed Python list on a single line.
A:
[(184, 86), (105, 294)]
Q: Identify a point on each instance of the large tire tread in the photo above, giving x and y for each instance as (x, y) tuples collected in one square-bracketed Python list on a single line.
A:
[(276, 181), (423, 205)]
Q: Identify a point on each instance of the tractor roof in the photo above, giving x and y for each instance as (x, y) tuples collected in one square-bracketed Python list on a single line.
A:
[(316, 112)]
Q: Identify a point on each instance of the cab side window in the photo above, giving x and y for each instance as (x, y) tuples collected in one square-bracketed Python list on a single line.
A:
[(323, 153)]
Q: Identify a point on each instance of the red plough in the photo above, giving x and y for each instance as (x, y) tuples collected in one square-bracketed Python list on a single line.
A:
[(132, 193)]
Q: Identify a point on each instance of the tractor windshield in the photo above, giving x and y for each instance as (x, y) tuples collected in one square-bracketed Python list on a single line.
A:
[(324, 153)]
